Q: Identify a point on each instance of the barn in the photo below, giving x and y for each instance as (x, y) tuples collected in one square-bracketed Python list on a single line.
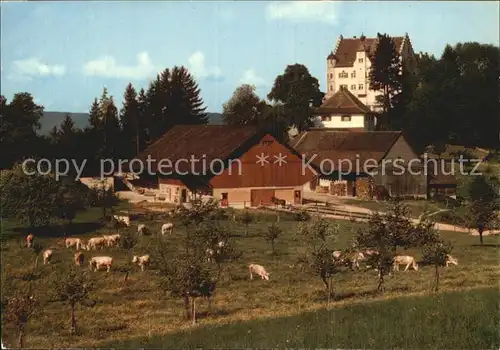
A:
[(356, 163), (239, 165)]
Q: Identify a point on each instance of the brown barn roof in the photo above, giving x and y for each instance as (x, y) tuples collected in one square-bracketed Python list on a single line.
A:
[(327, 144), (343, 102), (347, 48), (200, 141), (439, 177)]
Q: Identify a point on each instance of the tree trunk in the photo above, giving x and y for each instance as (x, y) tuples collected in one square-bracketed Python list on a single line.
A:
[(329, 290), (481, 236), (272, 245), (437, 278), (186, 307), (193, 313), (73, 320), (20, 339)]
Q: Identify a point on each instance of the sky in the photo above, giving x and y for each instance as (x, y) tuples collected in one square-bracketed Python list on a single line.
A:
[(64, 53)]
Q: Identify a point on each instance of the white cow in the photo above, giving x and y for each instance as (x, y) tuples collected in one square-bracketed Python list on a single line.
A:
[(168, 227), (79, 258), (142, 261), (124, 219), (99, 261), (404, 260), (47, 255), (451, 260), (258, 270), (112, 240), (71, 242), (95, 242)]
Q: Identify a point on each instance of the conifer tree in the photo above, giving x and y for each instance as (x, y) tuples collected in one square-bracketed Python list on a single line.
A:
[(385, 75), (131, 123)]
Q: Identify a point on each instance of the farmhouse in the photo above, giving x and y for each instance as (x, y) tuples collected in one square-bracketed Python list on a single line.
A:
[(344, 111), (361, 163), (238, 165)]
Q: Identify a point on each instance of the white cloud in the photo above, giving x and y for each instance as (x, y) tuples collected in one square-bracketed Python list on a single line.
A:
[(250, 77), (106, 66), (198, 68), (25, 69), (303, 11)]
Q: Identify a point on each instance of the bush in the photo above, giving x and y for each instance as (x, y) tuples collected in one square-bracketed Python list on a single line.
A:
[(380, 193), (301, 215)]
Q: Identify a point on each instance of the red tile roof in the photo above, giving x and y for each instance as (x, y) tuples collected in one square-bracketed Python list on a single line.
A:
[(343, 102), (329, 145), (347, 48), (207, 142)]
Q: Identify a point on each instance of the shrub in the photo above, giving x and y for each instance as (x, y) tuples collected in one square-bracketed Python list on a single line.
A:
[(301, 215)]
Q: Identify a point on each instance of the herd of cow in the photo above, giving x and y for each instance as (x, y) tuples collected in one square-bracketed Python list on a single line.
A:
[(344, 258)]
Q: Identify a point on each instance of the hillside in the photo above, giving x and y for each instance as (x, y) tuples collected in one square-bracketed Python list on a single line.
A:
[(51, 119)]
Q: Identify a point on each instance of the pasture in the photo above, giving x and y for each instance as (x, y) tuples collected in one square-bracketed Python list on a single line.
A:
[(137, 312)]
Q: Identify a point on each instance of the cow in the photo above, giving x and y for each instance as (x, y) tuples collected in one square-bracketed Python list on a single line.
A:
[(95, 242), (47, 255), (142, 261), (29, 240), (71, 242), (79, 258), (112, 240), (99, 261), (168, 227), (276, 201), (451, 260), (142, 229), (124, 219), (258, 270), (404, 260)]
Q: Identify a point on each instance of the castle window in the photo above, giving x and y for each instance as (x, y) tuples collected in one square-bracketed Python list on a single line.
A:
[(360, 87), (331, 75), (346, 118), (353, 87), (360, 60), (343, 75), (353, 74), (343, 86), (331, 87)]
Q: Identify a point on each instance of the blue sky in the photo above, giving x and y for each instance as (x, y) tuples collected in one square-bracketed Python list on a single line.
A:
[(64, 53)]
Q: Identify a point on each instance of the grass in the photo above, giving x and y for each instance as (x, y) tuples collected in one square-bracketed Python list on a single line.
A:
[(453, 320), (416, 207), (135, 309)]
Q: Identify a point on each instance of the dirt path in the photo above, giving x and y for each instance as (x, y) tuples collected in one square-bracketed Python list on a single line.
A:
[(338, 204)]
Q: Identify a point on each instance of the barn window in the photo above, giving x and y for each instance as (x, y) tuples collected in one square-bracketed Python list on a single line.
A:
[(326, 118), (346, 118), (267, 143)]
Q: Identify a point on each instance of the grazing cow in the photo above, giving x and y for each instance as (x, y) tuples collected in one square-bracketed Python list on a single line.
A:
[(168, 227), (47, 255), (29, 240), (71, 242), (356, 258), (99, 261), (142, 229), (124, 219), (337, 254), (404, 260), (79, 258), (142, 261), (258, 270), (112, 240), (95, 242), (451, 260)]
